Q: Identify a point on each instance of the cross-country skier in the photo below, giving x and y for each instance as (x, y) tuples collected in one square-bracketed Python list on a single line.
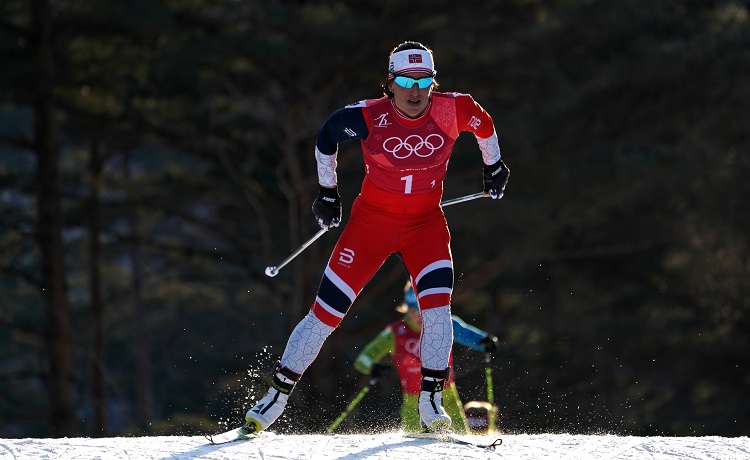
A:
[(400, 341), (407, 137)]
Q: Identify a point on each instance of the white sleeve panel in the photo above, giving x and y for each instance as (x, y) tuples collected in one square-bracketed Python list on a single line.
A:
[(490, 149), (326, 168)]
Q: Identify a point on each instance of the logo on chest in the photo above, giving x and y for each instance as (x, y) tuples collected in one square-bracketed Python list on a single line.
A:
[(381, 121), (422, 147)]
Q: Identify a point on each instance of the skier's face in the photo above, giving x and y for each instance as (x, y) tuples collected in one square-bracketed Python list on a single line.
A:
[(415, 317), (412, 101)]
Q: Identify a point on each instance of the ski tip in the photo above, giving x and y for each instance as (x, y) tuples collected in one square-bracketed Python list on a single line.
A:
[(238, 434)]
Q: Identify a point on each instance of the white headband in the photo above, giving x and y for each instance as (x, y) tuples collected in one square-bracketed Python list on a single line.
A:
[(411, 61)]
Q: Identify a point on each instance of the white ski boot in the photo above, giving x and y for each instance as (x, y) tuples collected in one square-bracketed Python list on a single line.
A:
[(431, 412), (270, 407)]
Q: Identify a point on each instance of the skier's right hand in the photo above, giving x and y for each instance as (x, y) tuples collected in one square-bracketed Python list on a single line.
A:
[(495, 179), (378, 370), (327, 207)]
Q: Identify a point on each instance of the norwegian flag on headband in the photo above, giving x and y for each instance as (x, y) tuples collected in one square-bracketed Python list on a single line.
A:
[(411, 61)]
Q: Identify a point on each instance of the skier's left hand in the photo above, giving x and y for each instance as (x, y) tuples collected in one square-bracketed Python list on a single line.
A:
[(489, 343), (495, 179)]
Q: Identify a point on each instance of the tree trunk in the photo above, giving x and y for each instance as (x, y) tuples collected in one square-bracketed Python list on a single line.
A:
[(144, 399), (49, 231), (99, 346)]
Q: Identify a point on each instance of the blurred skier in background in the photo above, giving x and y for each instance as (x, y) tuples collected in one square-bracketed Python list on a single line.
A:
[(400, 340)]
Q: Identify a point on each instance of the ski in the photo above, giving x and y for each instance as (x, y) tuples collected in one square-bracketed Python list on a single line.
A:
[(243, 434), (237, 434), (451, 438)]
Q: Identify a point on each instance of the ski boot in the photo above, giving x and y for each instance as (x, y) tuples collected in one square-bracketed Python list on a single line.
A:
[(270, 407), (431, 413)]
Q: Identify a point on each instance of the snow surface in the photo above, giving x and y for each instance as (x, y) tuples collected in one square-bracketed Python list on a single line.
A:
[(393, 446)]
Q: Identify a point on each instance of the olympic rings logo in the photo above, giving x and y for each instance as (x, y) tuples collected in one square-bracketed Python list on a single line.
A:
[(413, 144), (412, 347)]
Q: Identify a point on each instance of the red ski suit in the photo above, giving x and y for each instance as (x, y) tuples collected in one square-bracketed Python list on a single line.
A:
[(398, 209)]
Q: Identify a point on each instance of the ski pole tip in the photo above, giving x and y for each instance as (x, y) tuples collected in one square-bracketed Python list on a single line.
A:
[(271, 271)]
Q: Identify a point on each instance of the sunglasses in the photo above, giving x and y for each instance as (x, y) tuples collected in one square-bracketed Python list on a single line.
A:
[(408, 82)]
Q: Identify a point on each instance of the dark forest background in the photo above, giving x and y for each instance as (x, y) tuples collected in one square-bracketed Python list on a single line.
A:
[(158, 155)]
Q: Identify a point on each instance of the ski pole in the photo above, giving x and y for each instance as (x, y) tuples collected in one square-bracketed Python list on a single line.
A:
[(273, 270), (461, 199), (490, 393), (351, 406)]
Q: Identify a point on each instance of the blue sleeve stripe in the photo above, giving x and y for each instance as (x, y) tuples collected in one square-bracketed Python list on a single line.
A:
[(468, 336)]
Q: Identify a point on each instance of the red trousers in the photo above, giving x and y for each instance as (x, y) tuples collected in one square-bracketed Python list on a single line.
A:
[(383, 223)]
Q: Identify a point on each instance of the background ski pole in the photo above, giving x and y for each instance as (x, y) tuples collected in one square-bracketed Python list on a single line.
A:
[(490, 393), (273, 270), (351, 406)]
